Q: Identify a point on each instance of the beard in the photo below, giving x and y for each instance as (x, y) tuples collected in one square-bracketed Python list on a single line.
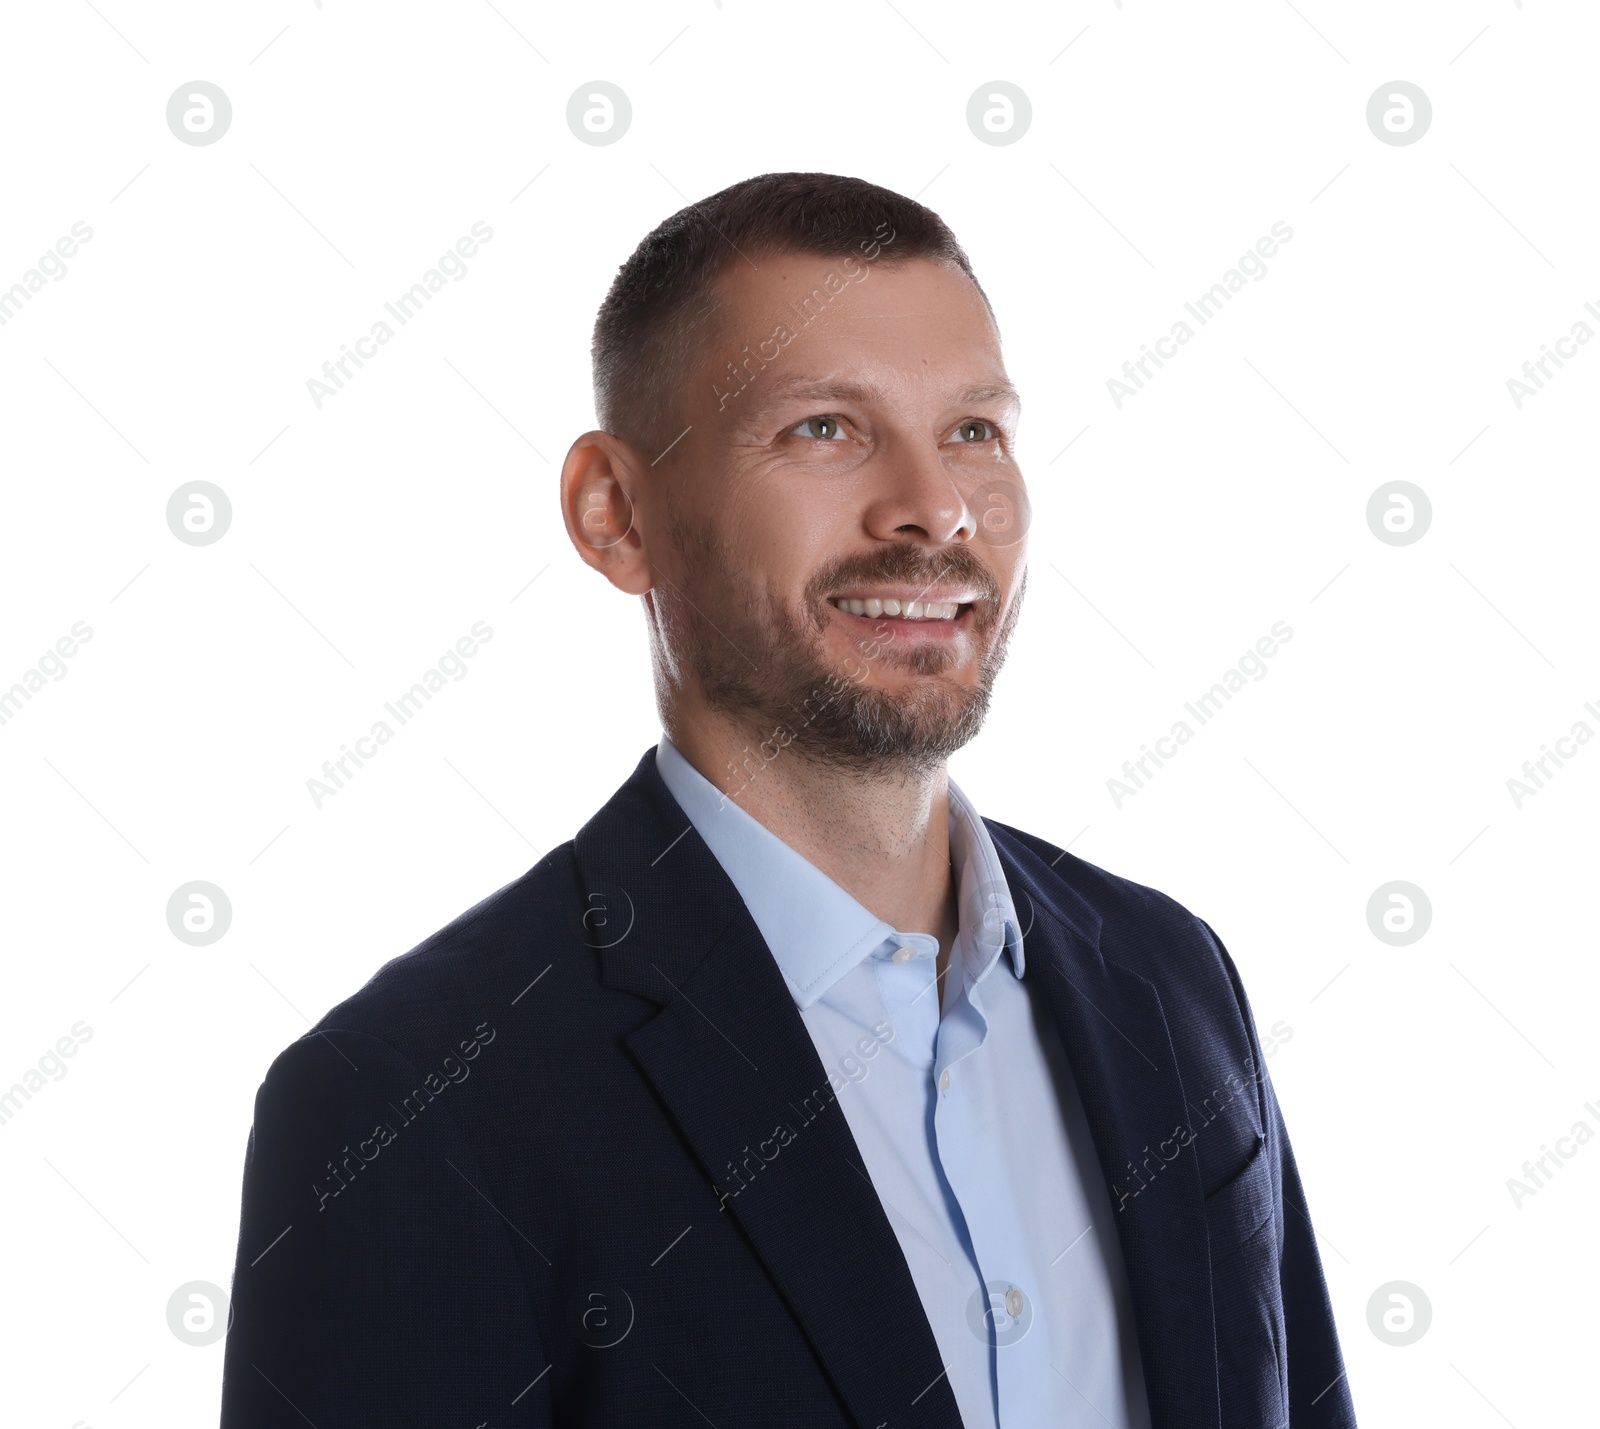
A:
[(771, 671)]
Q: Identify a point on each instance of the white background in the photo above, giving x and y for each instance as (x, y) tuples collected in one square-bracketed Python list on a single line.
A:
[(1230, 493)]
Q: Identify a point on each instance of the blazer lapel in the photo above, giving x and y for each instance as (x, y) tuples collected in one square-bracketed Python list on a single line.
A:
[(1115, 1035), (733, 1063)]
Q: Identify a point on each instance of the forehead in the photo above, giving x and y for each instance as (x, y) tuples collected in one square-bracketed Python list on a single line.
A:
[(919, 321)]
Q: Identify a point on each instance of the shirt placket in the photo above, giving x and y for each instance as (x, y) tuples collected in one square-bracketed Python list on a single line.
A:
[(1004, 1306)]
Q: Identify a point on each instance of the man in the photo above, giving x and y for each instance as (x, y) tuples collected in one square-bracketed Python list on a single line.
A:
[(791, 1091)]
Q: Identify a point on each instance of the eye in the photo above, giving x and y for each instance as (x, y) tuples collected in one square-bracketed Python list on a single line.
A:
[(974, 430), (825, 429)]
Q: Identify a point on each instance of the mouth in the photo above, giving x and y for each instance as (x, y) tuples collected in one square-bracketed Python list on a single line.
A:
[(901, 610), (907, 619)]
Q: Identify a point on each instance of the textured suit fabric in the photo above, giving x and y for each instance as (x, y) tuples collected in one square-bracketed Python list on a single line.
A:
[(964, 1114), (481, 1192)]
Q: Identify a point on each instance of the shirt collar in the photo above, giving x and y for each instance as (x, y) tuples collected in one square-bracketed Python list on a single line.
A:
[(816, 931)]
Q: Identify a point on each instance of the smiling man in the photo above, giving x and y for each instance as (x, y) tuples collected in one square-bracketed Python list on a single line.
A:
[(792, 1091)]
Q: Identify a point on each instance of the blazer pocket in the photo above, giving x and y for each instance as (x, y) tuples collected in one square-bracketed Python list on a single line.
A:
[(1239, 1208)]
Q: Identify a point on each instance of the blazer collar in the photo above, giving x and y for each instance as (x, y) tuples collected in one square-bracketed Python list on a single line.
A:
[(817, 932), (1114, 1030), (733, 1063)]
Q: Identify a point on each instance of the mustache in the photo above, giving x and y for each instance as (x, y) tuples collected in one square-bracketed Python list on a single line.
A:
[(907, 565)]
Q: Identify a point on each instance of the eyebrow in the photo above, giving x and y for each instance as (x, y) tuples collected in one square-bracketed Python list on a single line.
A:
[(834, 389)]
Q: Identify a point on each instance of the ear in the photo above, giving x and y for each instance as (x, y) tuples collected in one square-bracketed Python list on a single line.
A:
[(596, 479)]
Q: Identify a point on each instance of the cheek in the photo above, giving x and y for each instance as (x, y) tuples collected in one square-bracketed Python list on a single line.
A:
[(1007, 568), (778, 542), (1012, 568)]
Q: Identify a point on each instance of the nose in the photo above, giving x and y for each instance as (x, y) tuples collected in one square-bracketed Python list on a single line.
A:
[(912, 493)]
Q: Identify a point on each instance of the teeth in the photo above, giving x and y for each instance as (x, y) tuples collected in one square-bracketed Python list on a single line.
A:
[(902, 610)]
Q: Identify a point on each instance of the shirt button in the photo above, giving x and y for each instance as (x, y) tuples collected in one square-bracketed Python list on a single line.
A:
[(1015, 1303), (903, 955), (944, 1080)]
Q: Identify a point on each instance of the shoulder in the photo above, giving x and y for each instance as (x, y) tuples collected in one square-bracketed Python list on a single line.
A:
[(1137, 927), (425, 1002), (1155, 937), (1139, 919)]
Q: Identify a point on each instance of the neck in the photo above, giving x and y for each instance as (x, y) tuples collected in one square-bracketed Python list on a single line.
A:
[(881, 835)]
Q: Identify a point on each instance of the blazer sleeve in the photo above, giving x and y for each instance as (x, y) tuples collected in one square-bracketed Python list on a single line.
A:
[(1319, 1391), (375, 1281)]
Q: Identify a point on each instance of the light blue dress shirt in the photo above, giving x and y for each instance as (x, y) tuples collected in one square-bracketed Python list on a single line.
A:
[(966, 1116)]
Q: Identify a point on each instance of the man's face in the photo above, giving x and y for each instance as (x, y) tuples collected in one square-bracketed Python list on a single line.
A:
[(867, 455)]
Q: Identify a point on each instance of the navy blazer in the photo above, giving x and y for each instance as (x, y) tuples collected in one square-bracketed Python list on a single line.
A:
[(486, 1191)]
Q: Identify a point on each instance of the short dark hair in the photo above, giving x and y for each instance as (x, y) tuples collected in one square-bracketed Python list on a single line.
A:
[(663, 298)]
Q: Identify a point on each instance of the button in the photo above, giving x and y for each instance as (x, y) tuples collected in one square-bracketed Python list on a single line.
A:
[(944, 1080), (903, 954), (1016, 1302)]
